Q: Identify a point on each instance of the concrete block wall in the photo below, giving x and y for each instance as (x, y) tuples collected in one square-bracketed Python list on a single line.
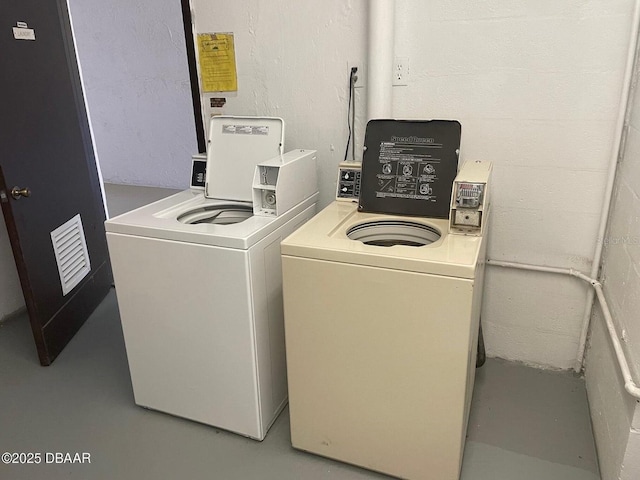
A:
[(292, 60), (536, 90), (612, 410), (616, 416)]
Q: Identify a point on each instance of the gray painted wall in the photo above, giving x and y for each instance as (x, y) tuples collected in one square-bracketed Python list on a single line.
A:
[(136, 80)]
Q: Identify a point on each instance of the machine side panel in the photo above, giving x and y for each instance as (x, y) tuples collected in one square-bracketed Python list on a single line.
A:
[(378, 364), (266, 274), (476, 309), (187, 323)]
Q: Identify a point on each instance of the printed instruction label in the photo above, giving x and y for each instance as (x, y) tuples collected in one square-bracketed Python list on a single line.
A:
[(245, 129), (408, 168)]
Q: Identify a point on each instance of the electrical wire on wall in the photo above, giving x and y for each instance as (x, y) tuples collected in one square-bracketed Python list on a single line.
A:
[(351, 115)]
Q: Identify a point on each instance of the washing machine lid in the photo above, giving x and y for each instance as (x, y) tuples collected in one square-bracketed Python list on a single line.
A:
[(408, 167), (236, 145), (414, 244)]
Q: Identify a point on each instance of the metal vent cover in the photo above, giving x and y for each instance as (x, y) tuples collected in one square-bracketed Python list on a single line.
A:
[(72, 256)]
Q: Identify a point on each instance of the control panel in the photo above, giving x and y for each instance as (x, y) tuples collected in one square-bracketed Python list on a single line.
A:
[(349, 177), (469, 199), (198, 170)]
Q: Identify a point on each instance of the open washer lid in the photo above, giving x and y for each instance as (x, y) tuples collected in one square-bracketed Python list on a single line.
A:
[(408, 167), (236, 145)]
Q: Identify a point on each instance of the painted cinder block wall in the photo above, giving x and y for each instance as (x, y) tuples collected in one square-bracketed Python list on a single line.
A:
[(292, 62), (536, 86), (615, 414)]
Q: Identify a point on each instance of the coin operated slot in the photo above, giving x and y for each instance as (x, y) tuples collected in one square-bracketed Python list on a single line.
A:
[(466, 211), (467, 217), (283, 182), (469, 195), (469, 199), (268, 178), (268, 202)]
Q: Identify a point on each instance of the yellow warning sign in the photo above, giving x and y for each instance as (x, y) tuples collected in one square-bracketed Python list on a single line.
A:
[(217, 57)]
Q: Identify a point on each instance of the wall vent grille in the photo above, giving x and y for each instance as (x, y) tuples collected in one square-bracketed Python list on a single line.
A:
[(72, 256)]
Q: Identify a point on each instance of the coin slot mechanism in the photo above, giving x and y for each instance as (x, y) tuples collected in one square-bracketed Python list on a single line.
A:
[(470, 199), (284, 181)]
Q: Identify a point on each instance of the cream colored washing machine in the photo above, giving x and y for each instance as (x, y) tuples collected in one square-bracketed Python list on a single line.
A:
[(381, 325)]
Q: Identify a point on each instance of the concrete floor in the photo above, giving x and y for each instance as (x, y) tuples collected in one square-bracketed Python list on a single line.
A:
[(525, 424)]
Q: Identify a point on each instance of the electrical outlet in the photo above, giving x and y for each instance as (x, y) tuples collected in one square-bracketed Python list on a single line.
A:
[(361, 73), (401, 71)]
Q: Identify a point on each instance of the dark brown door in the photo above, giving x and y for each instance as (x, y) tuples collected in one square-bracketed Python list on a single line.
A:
[(49, 187)]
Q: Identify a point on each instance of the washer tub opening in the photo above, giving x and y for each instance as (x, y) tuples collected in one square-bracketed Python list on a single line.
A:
[(217, 214), (387, 233)]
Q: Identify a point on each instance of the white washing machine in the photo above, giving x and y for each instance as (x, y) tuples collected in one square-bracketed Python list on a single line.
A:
[(381, 320), (199, 282)]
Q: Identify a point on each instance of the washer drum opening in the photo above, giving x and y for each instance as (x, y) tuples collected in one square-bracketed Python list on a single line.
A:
[(387, 233), (217, 215)]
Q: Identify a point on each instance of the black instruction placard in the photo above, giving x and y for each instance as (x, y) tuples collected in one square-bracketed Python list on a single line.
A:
[(408, 167)]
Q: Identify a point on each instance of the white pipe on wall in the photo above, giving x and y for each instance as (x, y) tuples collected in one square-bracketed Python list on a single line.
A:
[(629, 384), (613, 163), (380, 58)]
